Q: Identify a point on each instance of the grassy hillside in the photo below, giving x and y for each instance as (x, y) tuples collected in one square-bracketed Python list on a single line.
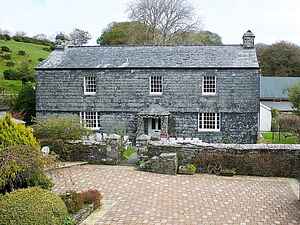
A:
[(33, 53)]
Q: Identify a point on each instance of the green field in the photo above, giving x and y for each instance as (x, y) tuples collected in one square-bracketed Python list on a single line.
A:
[(33, 53), (284, 138)]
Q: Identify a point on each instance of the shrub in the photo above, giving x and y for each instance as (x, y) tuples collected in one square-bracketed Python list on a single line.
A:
[(92, 197), (126, 153), (5, 37), (46, 49), (10, 63), (10, 74), (56, 131), (15, 134), (21, 53), (76, 201), (31, 207), (6, 56), (21, 167), (69, 221), (5, 49), (25, 102), (41, 59), (191, 168), (39, 179)]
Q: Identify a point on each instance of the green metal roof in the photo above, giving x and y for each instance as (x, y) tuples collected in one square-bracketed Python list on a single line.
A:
[(276, 87)]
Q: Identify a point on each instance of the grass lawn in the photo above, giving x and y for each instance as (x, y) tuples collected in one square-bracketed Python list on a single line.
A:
[(285, 138), (33, 53)]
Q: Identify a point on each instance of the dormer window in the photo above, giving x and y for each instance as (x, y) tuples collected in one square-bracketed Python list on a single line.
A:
[(156, 85), (89, 85), (209, 85)]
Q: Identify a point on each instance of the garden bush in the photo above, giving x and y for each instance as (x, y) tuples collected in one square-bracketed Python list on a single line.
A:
[(15, 134), (5, 49), (32, 206), (10, 63), (56, 131), (10, 74), (21, 167), (5, 37), (41, 59), (21, 53), (76, 201), (6, 56)]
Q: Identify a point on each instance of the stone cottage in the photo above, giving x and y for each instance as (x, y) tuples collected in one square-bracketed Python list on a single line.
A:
[(208, 92)]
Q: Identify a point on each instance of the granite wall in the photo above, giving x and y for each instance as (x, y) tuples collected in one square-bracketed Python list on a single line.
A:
[(122, 93), (249, 159)]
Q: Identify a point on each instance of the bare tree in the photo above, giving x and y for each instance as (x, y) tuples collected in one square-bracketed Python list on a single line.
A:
[(20, 34), (79, 37), (169, 17), (41, 37)]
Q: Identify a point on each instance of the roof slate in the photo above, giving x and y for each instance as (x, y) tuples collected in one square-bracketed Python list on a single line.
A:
[(276, 87), (224, 56)]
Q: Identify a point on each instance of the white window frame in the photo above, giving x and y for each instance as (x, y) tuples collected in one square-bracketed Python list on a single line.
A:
[(150, 87), (85, 85), (83, 120), (216, 120), (203, 89)]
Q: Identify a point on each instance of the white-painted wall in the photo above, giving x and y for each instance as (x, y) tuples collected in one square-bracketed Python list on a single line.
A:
[(265, 118)]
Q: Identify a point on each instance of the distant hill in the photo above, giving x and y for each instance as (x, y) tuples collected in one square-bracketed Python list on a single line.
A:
[(34, 53)]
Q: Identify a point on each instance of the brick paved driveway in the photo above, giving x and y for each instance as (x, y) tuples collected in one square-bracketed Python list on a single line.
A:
[(146, 198)]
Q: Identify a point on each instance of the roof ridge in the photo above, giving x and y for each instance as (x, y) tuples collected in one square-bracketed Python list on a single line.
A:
[(151, 45)]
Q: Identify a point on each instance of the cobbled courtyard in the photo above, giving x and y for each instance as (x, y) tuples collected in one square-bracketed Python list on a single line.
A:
[(133, 197)]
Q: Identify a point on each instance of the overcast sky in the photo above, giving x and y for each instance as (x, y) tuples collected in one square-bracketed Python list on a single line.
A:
[(270, 20)]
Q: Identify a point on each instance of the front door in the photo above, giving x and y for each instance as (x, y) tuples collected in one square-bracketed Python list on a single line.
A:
[(154, 126)]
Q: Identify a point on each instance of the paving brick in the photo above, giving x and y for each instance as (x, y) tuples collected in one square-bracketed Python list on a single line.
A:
[(147, 198)]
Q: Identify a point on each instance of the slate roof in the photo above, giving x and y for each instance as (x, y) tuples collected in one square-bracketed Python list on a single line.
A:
[(276, 87), (223, 56)]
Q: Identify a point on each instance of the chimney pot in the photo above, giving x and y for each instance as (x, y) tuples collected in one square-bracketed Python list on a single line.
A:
[(248, 39)]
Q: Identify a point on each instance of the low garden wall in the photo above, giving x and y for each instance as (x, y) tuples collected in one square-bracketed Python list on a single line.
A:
[(246, 159)]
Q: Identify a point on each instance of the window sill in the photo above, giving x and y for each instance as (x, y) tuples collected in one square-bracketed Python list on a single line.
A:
[(209, 94), (208, 130), (89, 93), (156, 94)]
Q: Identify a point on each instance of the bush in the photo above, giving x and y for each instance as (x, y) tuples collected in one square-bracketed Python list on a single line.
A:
[(41, 59), (56, 131), (21, 167), (6, 56), (31, 207), (5, 37), (76, 201), (5, 49), (21, 53), (15, 134), (25, 102), (46, 49), (10, 75), (10, 63), (92, 197), (191, 168), (73, 201)]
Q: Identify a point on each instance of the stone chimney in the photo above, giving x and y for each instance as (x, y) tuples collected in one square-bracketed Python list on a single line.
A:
[(248, 39), (61, 41)]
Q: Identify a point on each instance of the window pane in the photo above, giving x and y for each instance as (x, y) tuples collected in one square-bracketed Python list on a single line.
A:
[(209, 84), (209, 121), (156, 84), (90, 84)]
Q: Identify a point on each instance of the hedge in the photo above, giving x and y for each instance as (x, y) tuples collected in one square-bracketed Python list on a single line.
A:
[(32, 206)]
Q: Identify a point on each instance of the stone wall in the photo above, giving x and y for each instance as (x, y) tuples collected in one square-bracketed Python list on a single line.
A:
[(122, 93), (250, 159)]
